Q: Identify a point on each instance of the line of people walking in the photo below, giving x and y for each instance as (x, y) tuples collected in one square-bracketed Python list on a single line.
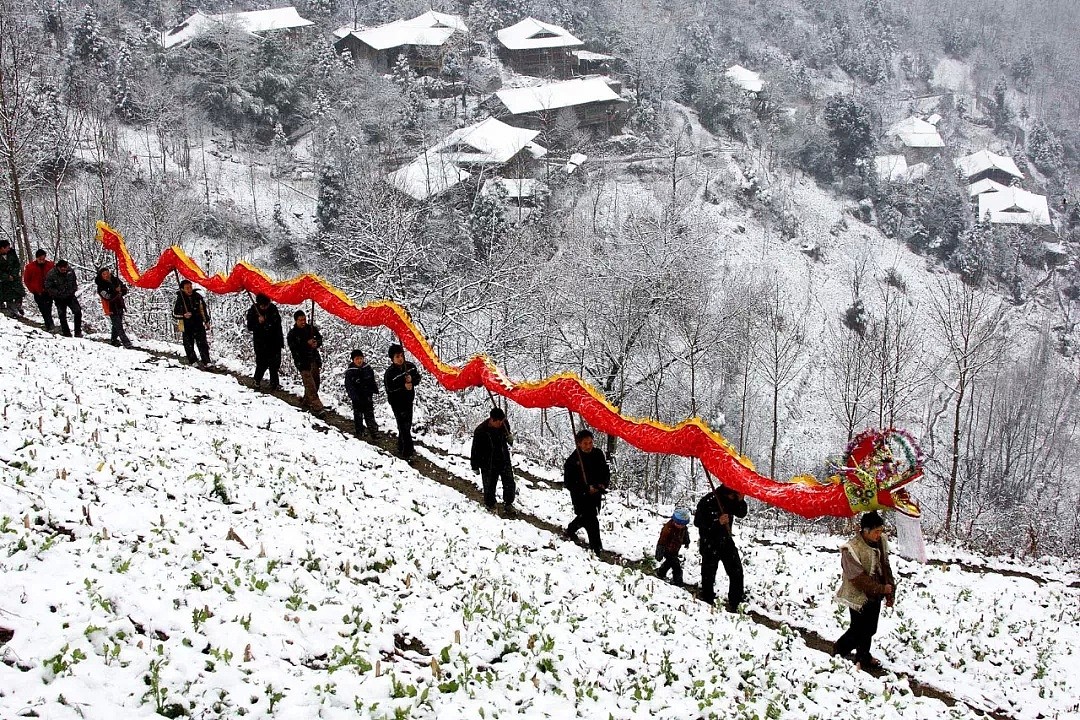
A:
[(867, 580)]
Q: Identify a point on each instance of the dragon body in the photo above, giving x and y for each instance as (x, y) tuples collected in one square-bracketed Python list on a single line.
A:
[(870, 478)]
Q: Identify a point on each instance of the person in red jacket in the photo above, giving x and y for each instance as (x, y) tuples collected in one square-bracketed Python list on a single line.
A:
[(34, 279)]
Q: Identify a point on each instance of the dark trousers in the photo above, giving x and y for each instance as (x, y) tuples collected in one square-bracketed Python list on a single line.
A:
[(119, 337), (403, 415), (62, 305), (863, 626), (713, 553), (196, 336), (268, 359), (363, 410), (587, 517), (45, 303), (674, 564), (490, 479)]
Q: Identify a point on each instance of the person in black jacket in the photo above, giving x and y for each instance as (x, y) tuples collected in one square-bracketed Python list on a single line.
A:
[(61, 286), (714, 517), (399, 380), (264, 322), (304, 343), (112, 290), (360, 386), (490, 456), (587, 476), (193, 317)]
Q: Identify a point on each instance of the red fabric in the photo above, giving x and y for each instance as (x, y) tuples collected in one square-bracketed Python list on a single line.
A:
[(691, 438), (33, 276)]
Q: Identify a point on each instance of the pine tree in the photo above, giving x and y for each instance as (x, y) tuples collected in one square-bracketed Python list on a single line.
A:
[(123, 101), (87, 40), (487, 221), (331, 197), (1002, 116), (1045, 149), (850, 129)]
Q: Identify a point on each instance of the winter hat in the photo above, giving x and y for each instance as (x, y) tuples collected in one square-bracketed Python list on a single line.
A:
[(681, 516), (395, 349), (871, 521)]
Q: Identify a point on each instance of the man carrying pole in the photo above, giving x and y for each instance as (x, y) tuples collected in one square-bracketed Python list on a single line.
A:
[(587, 476), (714, 517)]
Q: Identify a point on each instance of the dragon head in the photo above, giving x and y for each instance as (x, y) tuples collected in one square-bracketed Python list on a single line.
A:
[(878, 465)]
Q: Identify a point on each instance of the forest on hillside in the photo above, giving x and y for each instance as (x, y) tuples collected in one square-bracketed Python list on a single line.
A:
[(976, 352)]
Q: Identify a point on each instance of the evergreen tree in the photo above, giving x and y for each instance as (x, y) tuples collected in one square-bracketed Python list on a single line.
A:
[(487, 221), (123, 101), (1045, 149), (331, 197), (850, 130), (1002, 116), (88, 42)]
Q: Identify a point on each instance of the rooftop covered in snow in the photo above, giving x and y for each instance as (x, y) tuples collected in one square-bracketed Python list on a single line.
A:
[(748, 80), (488, 142), (255, 22), (1013, 206), (914, 132), (516, 188), (530, 34), (429, 29), (427, 176), (983, 160), (552, 96), (985, 185)]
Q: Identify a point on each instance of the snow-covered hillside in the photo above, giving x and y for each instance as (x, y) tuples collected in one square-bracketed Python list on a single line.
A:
[(173, 542)]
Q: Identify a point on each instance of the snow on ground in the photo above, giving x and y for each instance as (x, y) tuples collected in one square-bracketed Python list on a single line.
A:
[(365, 589)]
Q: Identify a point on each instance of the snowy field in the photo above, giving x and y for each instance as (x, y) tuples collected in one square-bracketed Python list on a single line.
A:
[(171, 542)]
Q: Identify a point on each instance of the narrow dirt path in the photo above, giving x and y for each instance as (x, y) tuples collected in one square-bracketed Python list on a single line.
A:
[(387, 444)]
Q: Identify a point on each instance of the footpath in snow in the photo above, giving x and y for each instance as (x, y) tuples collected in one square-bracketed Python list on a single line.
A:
[(172, 542)]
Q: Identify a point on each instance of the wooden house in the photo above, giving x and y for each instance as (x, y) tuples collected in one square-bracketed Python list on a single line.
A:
[(537, 48), (985, 165), (422, 39), (584, 102)]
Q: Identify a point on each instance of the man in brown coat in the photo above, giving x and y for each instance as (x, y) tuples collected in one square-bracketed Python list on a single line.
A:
[(867, 581)]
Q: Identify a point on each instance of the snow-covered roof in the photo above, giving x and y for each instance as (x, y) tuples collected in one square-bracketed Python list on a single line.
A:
[(429, 175), (575, 162), (891, 167), (568, 93), (748, 80), (530, 33), (515, 187), (430, 29), (984, 160), (488, 142), (915, 132), (437, 19), (254, 22), (590, 56), (1013, 206), (346, 30), (985, 185)]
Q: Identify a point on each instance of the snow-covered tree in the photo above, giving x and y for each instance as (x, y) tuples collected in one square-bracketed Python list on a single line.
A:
[(88, 42)]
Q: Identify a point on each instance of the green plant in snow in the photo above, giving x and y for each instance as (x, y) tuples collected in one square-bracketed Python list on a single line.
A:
[(62, 662), (273, 697)]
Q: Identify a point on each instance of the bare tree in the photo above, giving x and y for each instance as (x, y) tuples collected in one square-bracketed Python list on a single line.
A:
[(971, 325), (781, 359)]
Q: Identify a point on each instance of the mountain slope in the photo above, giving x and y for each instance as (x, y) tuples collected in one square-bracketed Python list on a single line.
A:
[(364, 588)]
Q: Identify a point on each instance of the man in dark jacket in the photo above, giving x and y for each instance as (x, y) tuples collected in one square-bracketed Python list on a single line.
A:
[(11, 290), (490, 457), (360, 387), (304, 343), (34, 278), (264, 322), (112, 290), (714, 517), (193, 317), (61, 286), (587, 476), (399, 380)]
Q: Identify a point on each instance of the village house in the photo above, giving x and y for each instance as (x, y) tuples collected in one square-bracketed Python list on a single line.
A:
[(537, 48), (490, 142), (748, 80), (426, 177), (983, 186), (1013, 206), (423, 40), (584, 102), (918, 139), (894, 168), (284, 21), (985, 165)]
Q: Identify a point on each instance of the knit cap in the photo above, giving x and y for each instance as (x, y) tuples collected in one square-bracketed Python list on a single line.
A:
[(681, 516)]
